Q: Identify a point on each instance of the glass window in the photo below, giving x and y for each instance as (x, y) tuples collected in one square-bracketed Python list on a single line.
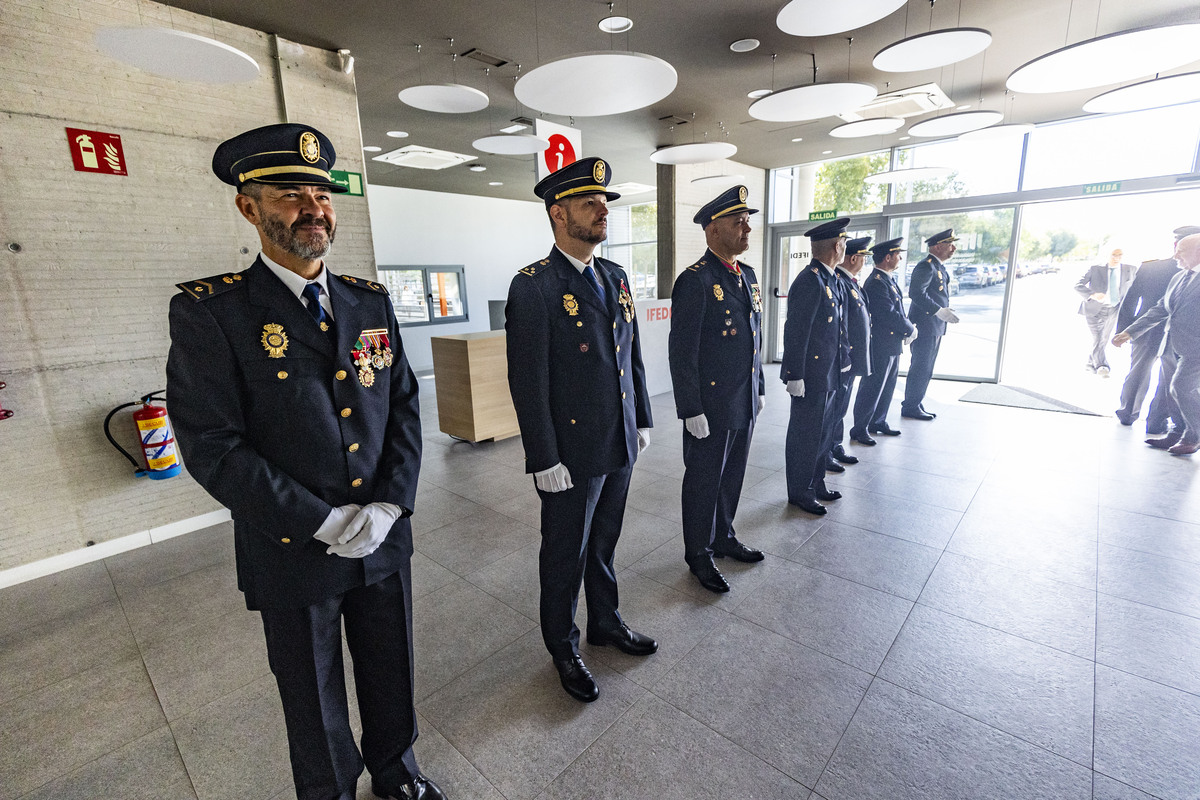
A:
[(633, 243), (421, 295), (828, 186), (987, 167), (407, 288), (1113, 148), (445, 294)]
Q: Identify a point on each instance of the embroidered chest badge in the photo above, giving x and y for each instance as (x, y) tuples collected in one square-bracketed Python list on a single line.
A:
[(274, 340), (372, 352), (756, 297), (571, 305), (718, 292), (626, 301)]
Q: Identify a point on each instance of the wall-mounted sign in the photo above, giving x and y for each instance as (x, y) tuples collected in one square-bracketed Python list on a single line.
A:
[(566, 145), (353, 181), (1102, 188), (820, 216), (93, 151)]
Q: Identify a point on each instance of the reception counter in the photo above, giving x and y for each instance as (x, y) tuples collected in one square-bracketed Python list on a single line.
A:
[(471, 377)]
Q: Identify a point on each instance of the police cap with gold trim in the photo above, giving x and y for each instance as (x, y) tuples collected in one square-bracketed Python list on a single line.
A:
[(858, 247), (286, 153), (1186, 230), (884, 249), (585, 176), (730, 201), (833, 229), (942, 237)]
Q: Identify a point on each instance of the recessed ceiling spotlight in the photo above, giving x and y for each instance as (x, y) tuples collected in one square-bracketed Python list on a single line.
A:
[(495, 183), (744, 45), (903, 138), (398, 134), (370, 148), (826, 152), (757, 93), (514, 128), (798, 139), (616, 24), (477, 168)]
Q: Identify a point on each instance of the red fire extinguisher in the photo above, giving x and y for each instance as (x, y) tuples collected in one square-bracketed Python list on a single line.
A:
[(156, 436)]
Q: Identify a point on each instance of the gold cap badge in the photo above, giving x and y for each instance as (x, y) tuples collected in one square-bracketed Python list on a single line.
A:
[(274, 340), (598, 171), (310, 148)]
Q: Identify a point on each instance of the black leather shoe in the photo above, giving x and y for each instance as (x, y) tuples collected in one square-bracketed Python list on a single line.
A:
[(419, 788), (833, 466), (1166, 442), (840, 454), (922, 415), (824, 493), (925, 411), (885, 429), (1124, 418), (576, 679), (809, 503), (710, 577), (738, 552), (1156, 432), (625, 640), (862, 438)]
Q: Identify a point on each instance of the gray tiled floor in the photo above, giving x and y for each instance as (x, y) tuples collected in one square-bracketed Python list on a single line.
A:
[(1005, 604)]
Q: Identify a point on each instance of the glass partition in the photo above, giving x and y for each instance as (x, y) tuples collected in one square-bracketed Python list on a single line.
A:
[(633, 243), (984, 167)]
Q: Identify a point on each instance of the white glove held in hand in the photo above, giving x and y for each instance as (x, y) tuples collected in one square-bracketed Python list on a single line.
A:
[(946, 315), (762, 401), (697, 426), (796, 388), (335, 523), (643, 439), (366, 531), (555, 479)]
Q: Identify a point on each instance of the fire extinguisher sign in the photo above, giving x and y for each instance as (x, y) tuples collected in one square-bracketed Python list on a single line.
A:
[(93, 151)]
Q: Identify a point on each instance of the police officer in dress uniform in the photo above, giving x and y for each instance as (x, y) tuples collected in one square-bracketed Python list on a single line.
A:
[(1148, 287), (889, 328), (577, 382), (858, 329), (929, 309), (716, 372), (295, 407), (812, 364)]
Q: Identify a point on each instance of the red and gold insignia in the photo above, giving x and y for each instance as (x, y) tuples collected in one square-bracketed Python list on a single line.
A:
[(756, 297), (583, 347), (310, 148), (571, 305), (625, 299), (274, 340), (718, 292), (372, 352)]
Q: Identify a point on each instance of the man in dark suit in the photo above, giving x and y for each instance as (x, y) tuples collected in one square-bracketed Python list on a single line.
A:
[(812, 364), (929, 309), (1103, 287), (858, 344), (1180, 310), (579, 388), (295, 407), (1148, 287), (889, 328), (716, 372)]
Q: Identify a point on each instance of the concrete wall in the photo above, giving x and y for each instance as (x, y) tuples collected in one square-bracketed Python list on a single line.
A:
[(83, 305)]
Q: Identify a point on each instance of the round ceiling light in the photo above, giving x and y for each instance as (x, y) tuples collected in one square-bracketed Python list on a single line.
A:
[(1147, 94), (997, 132), (495, 183), (370, 148), (757, 93), (616, 82), (511, 144), (1108, 59), (954, 124), (477, 168), (725, 180), (698, 153), (744, 45), (616, 24), (813, 101), (175, 54), (398, 134), (933, 49), (908, 175), (445, 98), (867, 127), (821, 17)]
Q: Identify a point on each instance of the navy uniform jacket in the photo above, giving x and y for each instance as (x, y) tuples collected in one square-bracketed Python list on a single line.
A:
[(858, 325), (812, 334), (1096, 280), (928, 290), (889, 325), (575, 367), (716, 324), (282, 440), (1148, 287)]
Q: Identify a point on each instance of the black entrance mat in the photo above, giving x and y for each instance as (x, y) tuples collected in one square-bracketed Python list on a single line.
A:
[(995, 394)]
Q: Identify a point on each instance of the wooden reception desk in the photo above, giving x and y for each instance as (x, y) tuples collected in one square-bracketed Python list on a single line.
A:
[(471, 376)]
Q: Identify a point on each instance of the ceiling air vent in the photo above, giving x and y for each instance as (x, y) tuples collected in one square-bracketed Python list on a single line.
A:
[(485, 58), (419, 157), (903, 103)]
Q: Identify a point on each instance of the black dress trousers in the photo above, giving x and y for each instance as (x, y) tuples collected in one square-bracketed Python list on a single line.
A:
[(714, 468)]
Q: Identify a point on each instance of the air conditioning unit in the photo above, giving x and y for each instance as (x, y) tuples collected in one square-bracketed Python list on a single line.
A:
[(903, 103), (419, 157)]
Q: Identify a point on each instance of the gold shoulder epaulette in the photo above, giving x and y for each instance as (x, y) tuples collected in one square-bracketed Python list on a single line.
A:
[(210, 287), (363, 283)]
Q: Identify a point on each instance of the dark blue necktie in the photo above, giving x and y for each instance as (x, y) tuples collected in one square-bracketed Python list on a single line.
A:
[(595, 282), (312, 293)]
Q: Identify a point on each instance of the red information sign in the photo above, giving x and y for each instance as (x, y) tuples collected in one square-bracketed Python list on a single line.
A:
[(560, 153), (93, 151)]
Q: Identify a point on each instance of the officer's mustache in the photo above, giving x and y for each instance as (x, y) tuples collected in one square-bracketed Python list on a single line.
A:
[(309, 221)]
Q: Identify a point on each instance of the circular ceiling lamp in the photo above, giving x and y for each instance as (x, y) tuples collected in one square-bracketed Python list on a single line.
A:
[(744, 45), (697, 153), (445, 98), (757, 93), (995, 132), (814, 101), (954, 124), (867, 127), (933, 49), (908, 175), (1147, 94), (616, 24), (174, 54), (511, 144), (1114, 58), (822, 17), (710, 180), (615, 82)]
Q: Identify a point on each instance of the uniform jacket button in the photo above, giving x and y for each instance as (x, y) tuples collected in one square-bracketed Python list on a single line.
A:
[(286, 540), (340, 375), (281, 375), (346, 412), (357, 482), (353, 448)]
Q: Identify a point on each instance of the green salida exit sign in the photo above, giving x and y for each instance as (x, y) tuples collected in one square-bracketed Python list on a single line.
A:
[(353, 181), (1102, 188), (821, 216)]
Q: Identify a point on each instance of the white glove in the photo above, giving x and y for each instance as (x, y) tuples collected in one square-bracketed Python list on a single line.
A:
[(762, 401), (643, 439), (366, 531), (946, 315), (697, 426), (336, 523), (555, 479), (796, 388)]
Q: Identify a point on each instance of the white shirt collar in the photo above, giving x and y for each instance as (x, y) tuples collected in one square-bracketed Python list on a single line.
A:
[(296, 283), (828, 268), (580, 266)]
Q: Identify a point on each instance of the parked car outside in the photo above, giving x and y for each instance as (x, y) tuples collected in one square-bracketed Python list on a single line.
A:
[(971, 277)]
